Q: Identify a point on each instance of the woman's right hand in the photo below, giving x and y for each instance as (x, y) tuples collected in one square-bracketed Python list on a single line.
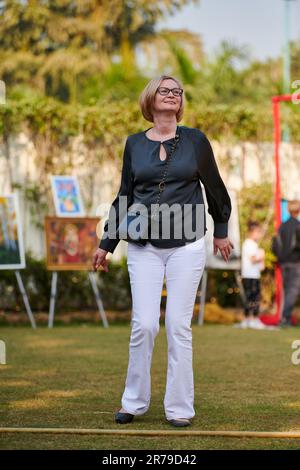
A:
[(99, 259)]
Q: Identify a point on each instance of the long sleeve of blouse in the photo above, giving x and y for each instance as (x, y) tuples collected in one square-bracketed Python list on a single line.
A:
[(218, 200), (192, 162), (116, 213)]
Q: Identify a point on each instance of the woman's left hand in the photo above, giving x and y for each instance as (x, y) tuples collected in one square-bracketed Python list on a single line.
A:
[(224, 245)]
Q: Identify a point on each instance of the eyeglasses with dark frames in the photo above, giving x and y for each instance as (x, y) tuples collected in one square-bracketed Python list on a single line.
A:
[(164, 91)]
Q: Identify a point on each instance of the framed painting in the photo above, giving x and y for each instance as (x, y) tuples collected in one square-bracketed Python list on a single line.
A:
[(67, 197), (70, 243), (12, 254)]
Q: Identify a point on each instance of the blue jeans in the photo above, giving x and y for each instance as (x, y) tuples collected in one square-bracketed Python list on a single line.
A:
[(252, 294)]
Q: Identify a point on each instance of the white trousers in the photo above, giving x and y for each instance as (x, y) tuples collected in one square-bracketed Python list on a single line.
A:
[(183, 268)]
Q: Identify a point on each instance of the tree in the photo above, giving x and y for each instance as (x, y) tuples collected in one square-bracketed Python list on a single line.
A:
[(55, 45)]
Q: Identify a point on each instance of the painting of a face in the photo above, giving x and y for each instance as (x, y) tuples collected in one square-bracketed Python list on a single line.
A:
[(70, 242)]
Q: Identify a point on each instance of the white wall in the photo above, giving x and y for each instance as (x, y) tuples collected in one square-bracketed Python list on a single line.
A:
[(240, 164)]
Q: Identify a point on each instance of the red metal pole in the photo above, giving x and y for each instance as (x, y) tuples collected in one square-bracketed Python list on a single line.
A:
[(278, 219), (274, 319)]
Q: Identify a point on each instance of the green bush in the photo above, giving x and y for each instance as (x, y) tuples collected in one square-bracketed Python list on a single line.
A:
[(74, 291)]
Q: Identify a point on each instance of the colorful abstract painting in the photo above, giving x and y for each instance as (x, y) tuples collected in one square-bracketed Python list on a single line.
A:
[(67, 197)]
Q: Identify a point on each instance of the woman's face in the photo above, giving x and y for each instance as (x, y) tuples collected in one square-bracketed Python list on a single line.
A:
[(169, 102)]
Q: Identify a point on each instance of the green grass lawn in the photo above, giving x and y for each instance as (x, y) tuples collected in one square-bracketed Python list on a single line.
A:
[(73, 376)]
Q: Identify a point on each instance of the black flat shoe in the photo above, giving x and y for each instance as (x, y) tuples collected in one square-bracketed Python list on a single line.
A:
[(179, 423), (123, 418)]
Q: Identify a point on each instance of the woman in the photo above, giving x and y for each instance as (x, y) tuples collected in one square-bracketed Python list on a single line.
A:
[(181, 260)]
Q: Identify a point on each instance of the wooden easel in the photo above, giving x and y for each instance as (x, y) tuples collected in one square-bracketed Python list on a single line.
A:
[(93, 280), (25, 299)]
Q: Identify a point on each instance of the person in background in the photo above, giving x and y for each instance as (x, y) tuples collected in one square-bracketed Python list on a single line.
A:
[(252, 264), (286, 246)]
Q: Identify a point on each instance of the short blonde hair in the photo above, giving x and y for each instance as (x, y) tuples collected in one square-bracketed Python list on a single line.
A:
[(147, 97), (294, 206)]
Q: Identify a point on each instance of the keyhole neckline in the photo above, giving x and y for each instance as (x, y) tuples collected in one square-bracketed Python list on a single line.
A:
[(160, 141)]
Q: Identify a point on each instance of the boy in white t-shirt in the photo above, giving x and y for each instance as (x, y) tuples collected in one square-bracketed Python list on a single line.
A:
[(252, 264)]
